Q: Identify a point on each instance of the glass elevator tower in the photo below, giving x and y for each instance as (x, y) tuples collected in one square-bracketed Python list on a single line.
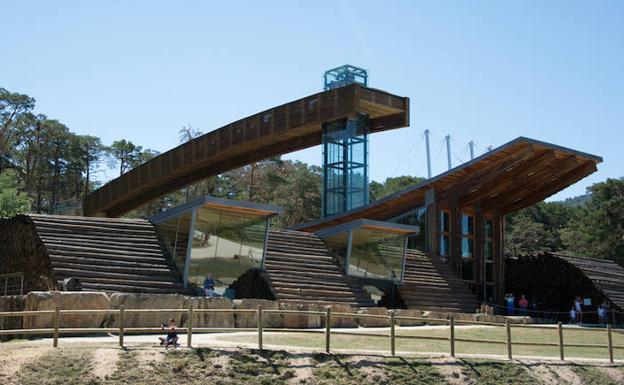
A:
[(345, 150)]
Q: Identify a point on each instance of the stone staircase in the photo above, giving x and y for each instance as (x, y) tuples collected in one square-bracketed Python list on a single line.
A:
[(107, 254), (431, 284), (299, 268)]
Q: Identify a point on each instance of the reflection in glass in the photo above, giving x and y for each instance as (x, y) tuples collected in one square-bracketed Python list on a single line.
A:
[(175, 235), (467, 224), (374, 253), (444, 221), (225, 245), (444, 245), (417, 218)]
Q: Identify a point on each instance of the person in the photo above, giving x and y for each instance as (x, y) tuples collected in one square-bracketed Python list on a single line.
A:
[(572, 315), (172, 335), (602, 311), (209, 286), (509, 299), (523, 303), (579, 309)]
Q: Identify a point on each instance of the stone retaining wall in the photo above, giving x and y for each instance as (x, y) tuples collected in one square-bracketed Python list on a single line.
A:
[(96, 300)]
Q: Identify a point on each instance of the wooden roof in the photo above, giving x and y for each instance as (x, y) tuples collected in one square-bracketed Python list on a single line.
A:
[(516, 175), (286, 128)]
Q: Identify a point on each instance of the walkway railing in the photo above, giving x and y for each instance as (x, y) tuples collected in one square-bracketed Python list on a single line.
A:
[(56, 331)]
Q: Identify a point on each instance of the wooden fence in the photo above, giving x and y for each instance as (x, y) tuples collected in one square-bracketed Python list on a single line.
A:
[(56, 331)]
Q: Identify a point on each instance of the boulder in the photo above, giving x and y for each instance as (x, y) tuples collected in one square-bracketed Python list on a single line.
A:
[(148, 301), (300, 321), (373, 322), (49, 300), (210, 320), (338, 322), (409, 313), (11, 303), (250, 320)]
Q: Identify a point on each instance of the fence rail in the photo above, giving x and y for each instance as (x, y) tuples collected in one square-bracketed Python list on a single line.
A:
[(56, 331)]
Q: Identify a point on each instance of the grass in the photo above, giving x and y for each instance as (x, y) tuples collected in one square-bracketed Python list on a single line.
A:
[(221, 367), (382, 343)]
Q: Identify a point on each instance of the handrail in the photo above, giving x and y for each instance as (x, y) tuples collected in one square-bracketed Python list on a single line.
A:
[(328, 316)]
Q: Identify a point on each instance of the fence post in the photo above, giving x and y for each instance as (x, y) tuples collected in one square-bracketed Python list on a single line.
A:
[(121, 326), (57, 321), (452, 335), (508, 328), (189, 329), (327, 329), (259, 327), (610, 341), (392, 334), (560, 331)]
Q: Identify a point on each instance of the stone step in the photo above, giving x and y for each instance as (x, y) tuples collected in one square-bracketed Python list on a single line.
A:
[(165, 280), (163, 271)]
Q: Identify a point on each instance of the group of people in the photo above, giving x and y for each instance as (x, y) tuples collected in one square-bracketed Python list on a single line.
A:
[(523, 304), (576, 312)]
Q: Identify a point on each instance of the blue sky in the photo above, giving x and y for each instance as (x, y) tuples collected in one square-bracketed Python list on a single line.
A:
[(489, 71)]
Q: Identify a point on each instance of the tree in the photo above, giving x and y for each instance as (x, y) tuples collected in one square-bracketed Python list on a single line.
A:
[(525, 236), (391, 185), (597, 229), (188, 133), (125, 154), (12, 200), (12, 107)]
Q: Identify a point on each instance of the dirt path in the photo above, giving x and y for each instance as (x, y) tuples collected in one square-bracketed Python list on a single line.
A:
[(12, 360), (104, 362)]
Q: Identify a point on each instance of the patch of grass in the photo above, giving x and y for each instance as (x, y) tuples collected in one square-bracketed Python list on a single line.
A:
[(61, 367), (497, 373), (412, 371), (592, 375)]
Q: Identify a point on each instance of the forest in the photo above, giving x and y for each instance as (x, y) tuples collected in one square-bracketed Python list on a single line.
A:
[(45, 167)]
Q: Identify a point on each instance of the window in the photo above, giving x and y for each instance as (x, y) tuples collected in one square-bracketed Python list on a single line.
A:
[(467, 247), (488, 259), (444, 231)]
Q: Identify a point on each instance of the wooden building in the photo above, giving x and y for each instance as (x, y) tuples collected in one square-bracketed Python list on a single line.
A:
[(461, 214)]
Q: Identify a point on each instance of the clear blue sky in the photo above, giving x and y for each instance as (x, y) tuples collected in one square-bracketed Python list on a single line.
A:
[(484, 70)]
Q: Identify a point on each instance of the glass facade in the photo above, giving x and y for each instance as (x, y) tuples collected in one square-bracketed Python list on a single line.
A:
[(222, 242), (417, 218), (345, 164), (444, 230), (375, 251), (467, 247)]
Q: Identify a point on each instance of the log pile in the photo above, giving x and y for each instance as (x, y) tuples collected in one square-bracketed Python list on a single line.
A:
[(104, 254), (431, 284)]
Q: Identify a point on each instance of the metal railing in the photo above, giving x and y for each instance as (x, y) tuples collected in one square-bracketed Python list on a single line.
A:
[(11, 284), (56, 331)]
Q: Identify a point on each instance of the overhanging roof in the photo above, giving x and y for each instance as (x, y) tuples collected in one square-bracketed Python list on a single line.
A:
[(240, 207), (510, 177), (368, 224)]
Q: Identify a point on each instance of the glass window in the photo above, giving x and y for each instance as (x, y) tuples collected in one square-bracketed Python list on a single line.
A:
[(374, 253), (467, 247), (488, 250), (444, 245), (225, 245), (444, 221), (175, 235), (418, 218)]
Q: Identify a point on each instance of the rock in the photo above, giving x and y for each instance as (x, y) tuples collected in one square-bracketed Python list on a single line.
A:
[(373, 322), (338, 322), (147, 301), (11, 303), (210, 320), (250, 320), (49, 300), (300, 321), (409, 313)]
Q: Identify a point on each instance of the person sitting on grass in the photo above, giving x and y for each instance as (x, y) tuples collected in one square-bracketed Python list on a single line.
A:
[(172, 335)]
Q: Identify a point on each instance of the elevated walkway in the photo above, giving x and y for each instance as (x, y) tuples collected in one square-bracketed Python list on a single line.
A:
[(431, 284)]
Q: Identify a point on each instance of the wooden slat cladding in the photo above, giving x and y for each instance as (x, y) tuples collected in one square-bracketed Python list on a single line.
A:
[(276, 131), (516, 175)]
